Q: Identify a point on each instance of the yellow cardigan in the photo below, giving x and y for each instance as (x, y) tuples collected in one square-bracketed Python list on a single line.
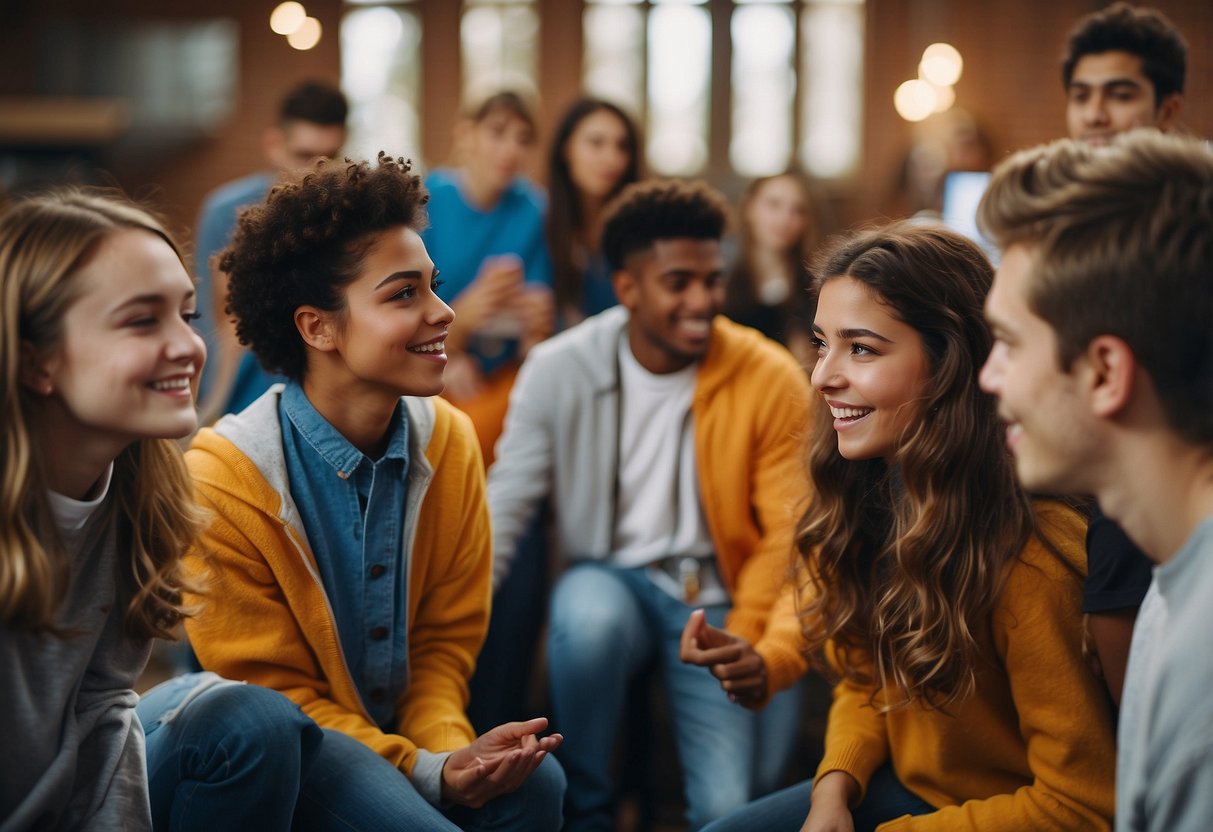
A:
[(1033, 748), (266, 618)]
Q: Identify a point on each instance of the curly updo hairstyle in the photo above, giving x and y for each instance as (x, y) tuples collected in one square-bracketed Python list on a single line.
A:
[(305, 243)]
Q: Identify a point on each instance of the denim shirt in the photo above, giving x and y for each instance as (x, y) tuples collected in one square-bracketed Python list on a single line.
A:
[(353, 514)]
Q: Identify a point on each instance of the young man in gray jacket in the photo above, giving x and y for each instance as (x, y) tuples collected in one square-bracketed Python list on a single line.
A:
[(668, 443)]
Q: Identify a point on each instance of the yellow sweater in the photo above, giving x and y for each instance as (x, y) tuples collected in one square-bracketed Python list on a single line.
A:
[(266, 618), (1033, 748)]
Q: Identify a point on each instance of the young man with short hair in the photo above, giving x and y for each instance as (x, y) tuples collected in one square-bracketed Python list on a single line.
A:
[(1102, 311), (310, 126), (668, 441), (1124, 67)]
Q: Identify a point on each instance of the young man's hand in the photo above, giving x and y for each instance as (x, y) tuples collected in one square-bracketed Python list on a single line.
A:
[(496, 763), (730, 658)]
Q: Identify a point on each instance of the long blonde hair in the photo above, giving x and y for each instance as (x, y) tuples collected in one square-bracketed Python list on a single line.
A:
[(44, 242)]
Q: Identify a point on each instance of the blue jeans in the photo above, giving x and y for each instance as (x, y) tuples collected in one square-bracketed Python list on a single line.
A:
[(608, 623), (886, 799), (350, 787), (225, 756), (222, 755)]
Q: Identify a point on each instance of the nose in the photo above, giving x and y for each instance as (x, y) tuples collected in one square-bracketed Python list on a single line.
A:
[(185, 344), (1095, 111), (439, 313), (826, 374), (698, 297)]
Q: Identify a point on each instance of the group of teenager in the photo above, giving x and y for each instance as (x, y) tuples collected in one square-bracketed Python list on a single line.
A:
[(908, 518)]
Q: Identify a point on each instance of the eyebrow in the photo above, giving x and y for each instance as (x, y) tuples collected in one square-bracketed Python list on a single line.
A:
[(149, 298), (1111, 83), (412, 274), (851, 334)]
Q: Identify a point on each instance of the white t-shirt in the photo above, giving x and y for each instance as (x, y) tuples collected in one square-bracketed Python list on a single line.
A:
[(658, 511), (71, 515)]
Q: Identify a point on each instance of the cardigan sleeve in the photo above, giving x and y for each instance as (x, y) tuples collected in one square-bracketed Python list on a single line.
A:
[(857, 740), (779, 485), (1038, 635)]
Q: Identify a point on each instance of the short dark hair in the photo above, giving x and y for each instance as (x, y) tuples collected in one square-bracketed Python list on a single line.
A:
[(660, 209), (315, 102), (1144, 32), (1121, 239), (305, 243)]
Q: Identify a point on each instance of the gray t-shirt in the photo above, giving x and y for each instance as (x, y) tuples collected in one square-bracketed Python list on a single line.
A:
[(71, 748), (1164, 772)]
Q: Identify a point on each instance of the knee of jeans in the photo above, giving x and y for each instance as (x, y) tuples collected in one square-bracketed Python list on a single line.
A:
[(715, 800), (262, 720), (593, 622), (545, 798)]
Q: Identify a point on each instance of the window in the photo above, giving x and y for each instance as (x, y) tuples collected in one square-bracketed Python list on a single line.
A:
[(381, 77), (795, 80), (498, 47)]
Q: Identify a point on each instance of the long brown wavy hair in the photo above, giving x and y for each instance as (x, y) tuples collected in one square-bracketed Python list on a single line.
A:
[(44, 243), (905, 559)]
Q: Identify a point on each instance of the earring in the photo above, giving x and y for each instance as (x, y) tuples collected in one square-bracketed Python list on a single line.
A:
[(47, 387)]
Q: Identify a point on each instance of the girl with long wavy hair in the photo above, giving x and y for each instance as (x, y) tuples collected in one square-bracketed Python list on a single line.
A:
[(595, 154), (98, 363), (941, 597)]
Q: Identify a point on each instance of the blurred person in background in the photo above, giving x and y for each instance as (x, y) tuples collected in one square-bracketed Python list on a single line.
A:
[(768, 287), (310, 126), (594, 156), (486, 235)]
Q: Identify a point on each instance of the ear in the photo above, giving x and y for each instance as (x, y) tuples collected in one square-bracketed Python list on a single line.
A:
[(627, 289), (1168, 111), (316, 328), (1112, 368), (34, 373)]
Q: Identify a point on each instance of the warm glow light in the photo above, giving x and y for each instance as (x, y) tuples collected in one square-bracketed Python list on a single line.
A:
[(306, 36), (914, 100), (286, 18), (945, 97), (941, 64)]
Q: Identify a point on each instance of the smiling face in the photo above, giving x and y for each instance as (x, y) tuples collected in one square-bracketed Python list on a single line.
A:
[(128, 358), (598, 154), (777, 214), (1049, 430), (673, 291), (389, 339), (871, 369), (1109, 93)]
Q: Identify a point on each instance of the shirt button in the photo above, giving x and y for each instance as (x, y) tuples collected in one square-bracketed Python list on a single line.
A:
[(378, 695), (377, 570), (379, 633)]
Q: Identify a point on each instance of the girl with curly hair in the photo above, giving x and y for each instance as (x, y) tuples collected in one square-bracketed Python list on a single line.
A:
[(348, 547), (941, 596)]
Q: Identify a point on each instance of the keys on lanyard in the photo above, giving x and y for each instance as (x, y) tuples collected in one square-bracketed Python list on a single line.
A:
[(688, 576)]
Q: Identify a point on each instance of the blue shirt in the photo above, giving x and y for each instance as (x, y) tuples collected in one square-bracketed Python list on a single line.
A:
[(216, 225), (461, 237), (353, 513)]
